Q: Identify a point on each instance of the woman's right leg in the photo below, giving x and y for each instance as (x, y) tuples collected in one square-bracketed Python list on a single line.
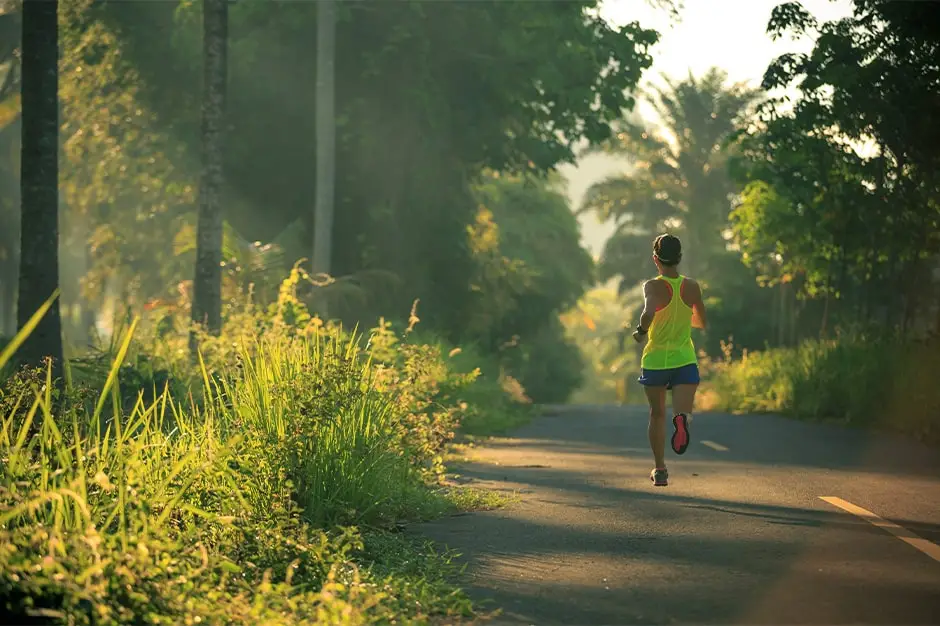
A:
[(683, 400)]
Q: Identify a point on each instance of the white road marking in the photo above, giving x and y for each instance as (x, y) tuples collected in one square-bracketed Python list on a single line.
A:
[(927, 547), (714, 446)]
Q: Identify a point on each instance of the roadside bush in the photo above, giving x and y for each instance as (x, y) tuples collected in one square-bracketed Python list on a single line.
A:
[(861, 379), (240, 506)]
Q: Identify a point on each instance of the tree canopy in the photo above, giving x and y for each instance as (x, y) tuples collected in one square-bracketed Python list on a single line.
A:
[(842, 185), (429, 97)]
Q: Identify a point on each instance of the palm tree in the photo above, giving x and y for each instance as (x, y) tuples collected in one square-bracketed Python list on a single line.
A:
[(207, 286), (679, 182), (39, 182)]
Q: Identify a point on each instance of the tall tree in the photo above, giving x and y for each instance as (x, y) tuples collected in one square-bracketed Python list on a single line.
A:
[(39, 182), (326, 141), (207, 287)]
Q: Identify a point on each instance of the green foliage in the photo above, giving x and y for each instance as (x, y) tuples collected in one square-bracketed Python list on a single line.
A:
[(842, 194), (515, 95), (531, 263), (243, 500), (864, 379), (496, 402), (487, 84), (810, 209), (549, 365), (490, 401), (126, 184), (530, 266), (866, 77), (734, 293)]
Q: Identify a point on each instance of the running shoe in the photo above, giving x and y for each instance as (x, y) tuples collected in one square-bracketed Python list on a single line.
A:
[(660, 477), (680, 438)]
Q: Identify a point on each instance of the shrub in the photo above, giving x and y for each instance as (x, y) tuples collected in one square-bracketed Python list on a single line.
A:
[(243, 507), (861, 379)]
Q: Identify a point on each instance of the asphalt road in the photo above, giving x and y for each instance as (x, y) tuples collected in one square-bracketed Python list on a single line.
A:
[(740, 535)]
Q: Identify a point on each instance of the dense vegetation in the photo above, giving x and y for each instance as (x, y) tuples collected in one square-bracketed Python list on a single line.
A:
[(259, 486), (854, 230), (869, 380)]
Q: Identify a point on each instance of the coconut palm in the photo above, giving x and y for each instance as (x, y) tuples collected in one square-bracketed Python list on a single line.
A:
[(679, 181)]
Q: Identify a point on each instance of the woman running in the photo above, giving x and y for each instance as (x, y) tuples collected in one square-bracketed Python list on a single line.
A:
[(672, 307)]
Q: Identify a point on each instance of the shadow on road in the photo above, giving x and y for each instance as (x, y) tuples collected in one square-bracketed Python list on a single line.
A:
[(608, 496), (761, 439), (586, 547), (611, 570)]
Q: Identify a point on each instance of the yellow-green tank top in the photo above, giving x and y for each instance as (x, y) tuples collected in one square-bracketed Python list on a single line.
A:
[(670, 334)]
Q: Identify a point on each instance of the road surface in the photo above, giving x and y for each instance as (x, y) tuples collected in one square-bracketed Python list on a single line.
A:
[(742, 534)]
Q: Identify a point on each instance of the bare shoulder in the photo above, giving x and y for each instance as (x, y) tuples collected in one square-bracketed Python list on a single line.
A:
[(691, 290), (654, 286)]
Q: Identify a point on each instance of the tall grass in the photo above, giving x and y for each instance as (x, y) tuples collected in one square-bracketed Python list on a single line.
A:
[(237, 508), (860, 379)]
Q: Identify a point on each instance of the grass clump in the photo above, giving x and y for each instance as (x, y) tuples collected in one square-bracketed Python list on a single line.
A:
[(865, 380), (261, 494)]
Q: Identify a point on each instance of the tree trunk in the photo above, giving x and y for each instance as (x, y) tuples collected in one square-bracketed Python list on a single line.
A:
[(326, 139), (937, 321), (7, 307), (207, 285), (794, 312), (825, 313), (39, 183), (775, 321)]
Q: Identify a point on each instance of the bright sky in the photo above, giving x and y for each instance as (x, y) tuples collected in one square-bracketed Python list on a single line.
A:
[(730, 34)]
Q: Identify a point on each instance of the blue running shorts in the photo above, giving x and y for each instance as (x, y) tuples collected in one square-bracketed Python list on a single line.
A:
[(685, 375)]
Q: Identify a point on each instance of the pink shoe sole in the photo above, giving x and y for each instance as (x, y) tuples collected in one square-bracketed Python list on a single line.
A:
[(680, 438)]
